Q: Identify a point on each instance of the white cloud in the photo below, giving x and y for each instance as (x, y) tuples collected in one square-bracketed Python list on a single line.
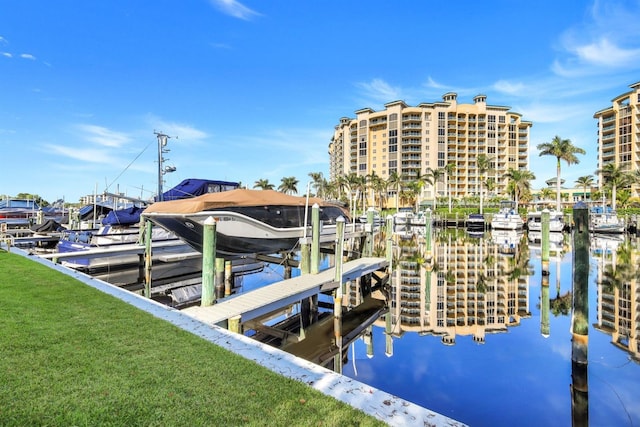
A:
[(220, 46), (509, 87), (179, 131), (434, 85), (103, 136), (3, 40), (234, 8), (7, 54), (604, 52), (609, 39), (27, 56), (380, 91), (549, 112), (91, 155)]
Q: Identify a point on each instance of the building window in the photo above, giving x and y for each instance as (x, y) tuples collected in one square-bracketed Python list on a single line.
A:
[(393, 141)]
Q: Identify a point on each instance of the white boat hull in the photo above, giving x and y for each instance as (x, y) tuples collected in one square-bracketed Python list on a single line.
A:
[(236, 233)]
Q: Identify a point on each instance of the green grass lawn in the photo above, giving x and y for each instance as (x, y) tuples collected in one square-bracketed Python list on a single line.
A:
[(73, 356)]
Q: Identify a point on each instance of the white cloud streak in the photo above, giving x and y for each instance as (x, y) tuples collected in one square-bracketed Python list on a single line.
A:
[(27, 56), (91, 155), (103, 136), (180, 131), (234, 8), (380, 91), (608, 40)]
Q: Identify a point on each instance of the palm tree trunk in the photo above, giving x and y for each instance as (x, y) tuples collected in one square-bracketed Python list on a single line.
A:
[(558, 186), (613, 196), (481, 201)]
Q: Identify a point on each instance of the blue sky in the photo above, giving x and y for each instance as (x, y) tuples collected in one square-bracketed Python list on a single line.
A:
[(253, 89)]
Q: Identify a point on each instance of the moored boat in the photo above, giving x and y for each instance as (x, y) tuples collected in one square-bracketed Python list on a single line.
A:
[(247, 221), (18, 212), (605, 221), (507, 218), (475, 222), (121, 227), (556, 221)]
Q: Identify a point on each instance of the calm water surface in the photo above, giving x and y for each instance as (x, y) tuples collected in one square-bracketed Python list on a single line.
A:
[(468, 339), (468, 335)]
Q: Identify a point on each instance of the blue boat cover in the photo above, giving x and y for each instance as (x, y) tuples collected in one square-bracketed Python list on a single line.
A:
[(128, 216), (87, 211), (192, 187)]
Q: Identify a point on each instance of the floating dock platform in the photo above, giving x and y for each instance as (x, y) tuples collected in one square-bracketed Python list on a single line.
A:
[(267, 299)]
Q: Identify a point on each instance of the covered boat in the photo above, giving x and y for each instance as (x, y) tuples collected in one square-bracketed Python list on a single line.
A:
[(247, 221)]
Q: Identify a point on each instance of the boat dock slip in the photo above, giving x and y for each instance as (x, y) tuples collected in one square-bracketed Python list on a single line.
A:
[(262, 301), (124, 249)]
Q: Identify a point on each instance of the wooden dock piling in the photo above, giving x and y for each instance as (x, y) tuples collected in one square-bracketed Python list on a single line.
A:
[(208, 262)]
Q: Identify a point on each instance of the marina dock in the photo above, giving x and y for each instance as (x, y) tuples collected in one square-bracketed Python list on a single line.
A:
[(267, 299)]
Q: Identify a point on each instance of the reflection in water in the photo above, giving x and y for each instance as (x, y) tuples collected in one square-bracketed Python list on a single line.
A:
[(618, 280), (465, 287), (469, 286)]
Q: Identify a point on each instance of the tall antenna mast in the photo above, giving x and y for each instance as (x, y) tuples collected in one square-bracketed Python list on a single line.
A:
[(162, 170)]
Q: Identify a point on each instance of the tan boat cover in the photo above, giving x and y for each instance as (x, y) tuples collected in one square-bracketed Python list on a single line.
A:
[(240, 197)]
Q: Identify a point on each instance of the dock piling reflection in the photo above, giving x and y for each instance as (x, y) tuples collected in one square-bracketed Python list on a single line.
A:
[(580, 319)]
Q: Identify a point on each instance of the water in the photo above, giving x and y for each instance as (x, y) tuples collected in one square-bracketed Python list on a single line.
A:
[(511, 370), (467, 336)]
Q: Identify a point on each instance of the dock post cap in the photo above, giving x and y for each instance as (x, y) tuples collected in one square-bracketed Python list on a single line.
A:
[(209, 221)]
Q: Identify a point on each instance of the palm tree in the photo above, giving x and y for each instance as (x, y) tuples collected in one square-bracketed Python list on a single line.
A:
[(448, 170), (561, 149), (483, 164), (331, 190), (394, 182), (614, 177), (546, 193), (432, 177), (519, 182), (584, 182), (288, 185), (420, 182), (263, 184), (318, 183), (378, 187)]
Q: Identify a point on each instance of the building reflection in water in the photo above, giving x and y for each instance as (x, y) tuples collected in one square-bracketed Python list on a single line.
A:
[(618, 296), (469, 286)]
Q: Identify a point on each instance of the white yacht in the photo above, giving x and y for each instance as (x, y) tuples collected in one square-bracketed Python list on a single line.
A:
[(556, 221), (507, 218)]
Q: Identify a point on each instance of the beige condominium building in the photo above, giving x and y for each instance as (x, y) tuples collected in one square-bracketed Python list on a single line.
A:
[(413, 140), (619, 134)]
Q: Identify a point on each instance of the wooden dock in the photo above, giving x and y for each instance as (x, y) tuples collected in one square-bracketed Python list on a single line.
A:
[(270, 298)]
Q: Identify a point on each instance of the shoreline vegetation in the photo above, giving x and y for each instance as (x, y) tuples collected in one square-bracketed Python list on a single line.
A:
[(72, 355)]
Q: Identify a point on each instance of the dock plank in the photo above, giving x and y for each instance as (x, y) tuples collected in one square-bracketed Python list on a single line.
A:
[(278, 295)]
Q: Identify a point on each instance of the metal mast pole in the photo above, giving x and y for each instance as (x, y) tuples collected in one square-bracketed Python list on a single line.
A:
[(162, 142)]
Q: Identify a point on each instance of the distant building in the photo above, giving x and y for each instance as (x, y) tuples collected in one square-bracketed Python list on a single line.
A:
[(568, 196), (619, 134), (412, 140)]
